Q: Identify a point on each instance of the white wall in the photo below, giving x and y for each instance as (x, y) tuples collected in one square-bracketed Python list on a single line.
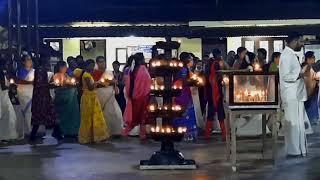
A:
[(190, 45), (233, 43), (71, 47), (124, 42)]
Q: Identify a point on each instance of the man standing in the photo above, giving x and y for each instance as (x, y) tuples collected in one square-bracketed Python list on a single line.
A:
[(293, 94)]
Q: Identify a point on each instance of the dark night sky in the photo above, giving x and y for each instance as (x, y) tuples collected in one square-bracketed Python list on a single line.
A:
[(63, 11)]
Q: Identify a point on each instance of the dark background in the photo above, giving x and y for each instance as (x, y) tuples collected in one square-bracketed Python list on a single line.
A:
[(64, 11)]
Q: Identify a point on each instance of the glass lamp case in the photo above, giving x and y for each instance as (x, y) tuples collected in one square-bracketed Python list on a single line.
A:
[(251, 89)]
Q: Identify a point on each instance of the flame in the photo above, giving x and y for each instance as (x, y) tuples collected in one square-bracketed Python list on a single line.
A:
[(73, 80), (152, 107)]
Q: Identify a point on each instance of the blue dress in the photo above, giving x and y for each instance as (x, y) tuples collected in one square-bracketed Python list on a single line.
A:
[(188, 119)]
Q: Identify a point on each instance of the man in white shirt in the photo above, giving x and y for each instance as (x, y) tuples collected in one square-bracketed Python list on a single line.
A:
[(293, 95)]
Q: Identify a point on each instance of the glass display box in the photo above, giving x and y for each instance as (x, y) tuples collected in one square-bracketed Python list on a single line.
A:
[(251, 89)]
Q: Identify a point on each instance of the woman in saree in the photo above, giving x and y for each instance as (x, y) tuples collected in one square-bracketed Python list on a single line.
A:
[(93, 127), (43, 110), (188, 119), (66, 102), (25, 77), (106, 94), (137, 87), (8, 119)]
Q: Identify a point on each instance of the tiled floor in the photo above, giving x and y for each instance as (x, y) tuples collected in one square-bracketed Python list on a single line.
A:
[(119, 159)]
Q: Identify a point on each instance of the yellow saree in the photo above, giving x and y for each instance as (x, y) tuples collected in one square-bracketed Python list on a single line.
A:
[(93, 127)]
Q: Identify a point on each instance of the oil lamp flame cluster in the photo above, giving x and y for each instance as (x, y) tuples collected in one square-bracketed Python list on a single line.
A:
[(161, 87), (168, 130), (198, 79), (106, 77), (157, 87), (153, 108), (69, 81), (163, 63), (257, 67), (225, 80), (251, 96), (11, 81), (176, 87)]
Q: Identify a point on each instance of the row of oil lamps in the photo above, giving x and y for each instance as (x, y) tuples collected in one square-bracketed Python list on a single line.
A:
[(153, 108), (161, 87), (69, 81), (163, 63), (168, 130), (251, 96)]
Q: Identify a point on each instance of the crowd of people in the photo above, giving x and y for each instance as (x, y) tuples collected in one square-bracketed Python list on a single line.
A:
[(83, 100)]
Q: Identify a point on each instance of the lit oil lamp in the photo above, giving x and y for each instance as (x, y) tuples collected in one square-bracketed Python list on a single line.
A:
[(158, 63), (184, 129), (180, 130), (175, 87), (171, 64), (176, 108), (194, 77), (162, 87), (168, 130), (57, 82), (109, 77), (157, 129), (246, 92), (200, 80), (180, 64), (153, 64), (225, 80), (256, 67), (162, 130), (11, 81), (152, 107), (165, 107), (73, 81), (152, 87), (153, 129), (102, 80)]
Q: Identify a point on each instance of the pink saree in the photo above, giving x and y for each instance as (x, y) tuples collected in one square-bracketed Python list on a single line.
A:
[(136, 110)]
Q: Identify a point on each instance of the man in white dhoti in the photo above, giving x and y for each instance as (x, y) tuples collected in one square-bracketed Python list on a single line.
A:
[(293, 95)]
